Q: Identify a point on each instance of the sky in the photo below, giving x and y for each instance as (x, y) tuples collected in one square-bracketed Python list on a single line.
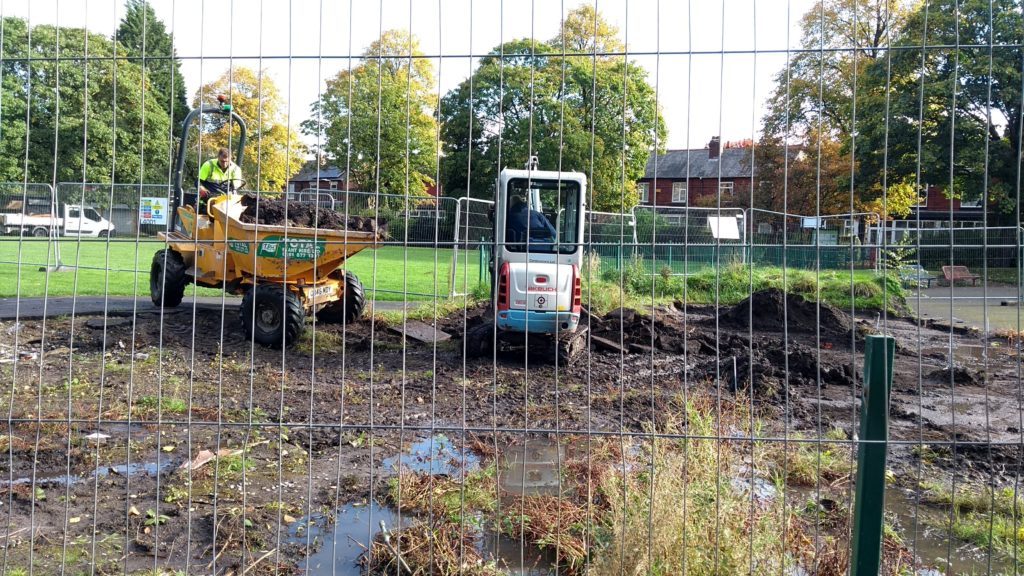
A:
[(712, 62)]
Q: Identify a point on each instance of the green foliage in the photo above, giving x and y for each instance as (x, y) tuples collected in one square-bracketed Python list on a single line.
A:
[(733, 283), (982, 515), (154, 518), (274, 152), (378, 119), (147, 41), (899, 254), (894, 201), (164, 403), (83, 113), (944, 97), (649, 225), (538, 102)]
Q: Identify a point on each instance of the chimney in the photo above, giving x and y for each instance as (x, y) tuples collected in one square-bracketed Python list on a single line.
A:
[(714, 148)]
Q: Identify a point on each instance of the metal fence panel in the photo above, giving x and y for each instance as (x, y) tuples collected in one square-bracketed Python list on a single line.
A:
[(733, 391), (681, 240)]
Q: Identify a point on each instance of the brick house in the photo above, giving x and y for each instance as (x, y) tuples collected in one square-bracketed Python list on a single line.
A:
[(329, 177), (695, 177), (327, 187), (935, 210)]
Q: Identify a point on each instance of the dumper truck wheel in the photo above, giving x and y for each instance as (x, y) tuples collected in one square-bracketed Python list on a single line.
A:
[(351, 305), (272, 315), (167, 279), (40, 232)]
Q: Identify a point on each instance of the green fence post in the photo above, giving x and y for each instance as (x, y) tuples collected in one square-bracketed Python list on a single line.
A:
[(869, 502)]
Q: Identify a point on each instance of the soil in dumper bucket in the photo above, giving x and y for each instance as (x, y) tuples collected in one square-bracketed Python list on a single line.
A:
[(281, 212), (773, 310)]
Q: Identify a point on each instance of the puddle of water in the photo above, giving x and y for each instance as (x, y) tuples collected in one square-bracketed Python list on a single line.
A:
[(763, 489), (134, 469), (516, 558), (355, 527), (341, 545), (968, 355), (932, 545), (532, 468), (435, 455)]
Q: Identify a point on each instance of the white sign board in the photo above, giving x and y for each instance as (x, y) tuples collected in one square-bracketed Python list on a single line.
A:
[(724, 227), (153, 211), (812, 222)]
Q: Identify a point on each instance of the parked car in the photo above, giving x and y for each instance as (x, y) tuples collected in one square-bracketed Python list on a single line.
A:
[(37, 219)]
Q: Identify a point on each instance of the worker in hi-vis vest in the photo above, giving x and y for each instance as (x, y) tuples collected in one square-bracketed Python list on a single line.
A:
[(219, 176)]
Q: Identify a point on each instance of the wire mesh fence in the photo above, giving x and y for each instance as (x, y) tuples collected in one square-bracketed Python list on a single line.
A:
[(487, 304)]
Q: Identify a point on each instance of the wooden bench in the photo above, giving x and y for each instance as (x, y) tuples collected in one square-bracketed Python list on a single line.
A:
[(952, 274)]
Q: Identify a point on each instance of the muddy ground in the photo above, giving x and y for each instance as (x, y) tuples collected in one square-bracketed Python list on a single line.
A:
[(91, 454)]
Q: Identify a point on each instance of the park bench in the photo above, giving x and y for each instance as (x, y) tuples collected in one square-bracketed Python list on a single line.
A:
[(916, 275), (952, 274)]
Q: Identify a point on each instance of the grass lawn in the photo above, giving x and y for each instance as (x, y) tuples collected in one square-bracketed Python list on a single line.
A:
[(417, 273), (399, 270)]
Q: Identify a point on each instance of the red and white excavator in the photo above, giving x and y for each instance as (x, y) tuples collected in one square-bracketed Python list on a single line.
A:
[(537, 255)]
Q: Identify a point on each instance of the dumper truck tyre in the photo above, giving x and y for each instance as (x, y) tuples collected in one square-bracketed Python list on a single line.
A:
[(351, 305), (167, 279), (40, 232), (272, 315)]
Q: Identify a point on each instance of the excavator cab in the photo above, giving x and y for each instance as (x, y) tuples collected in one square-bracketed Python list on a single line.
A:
[(538, 252)]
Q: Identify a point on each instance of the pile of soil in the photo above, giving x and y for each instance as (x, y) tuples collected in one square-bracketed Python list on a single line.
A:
[(302, 214), (773, 310), (627, 330)]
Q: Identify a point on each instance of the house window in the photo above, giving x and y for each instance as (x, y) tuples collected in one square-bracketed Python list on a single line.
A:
[(334, 184), (291, 187), (679, 192), (922, 200), (725, 188), (643, 187), (972, 203)]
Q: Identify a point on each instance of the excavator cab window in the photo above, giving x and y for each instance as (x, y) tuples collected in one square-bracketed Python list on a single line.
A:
[(542, 216)]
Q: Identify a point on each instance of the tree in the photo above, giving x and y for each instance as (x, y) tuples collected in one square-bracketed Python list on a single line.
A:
[(84, 118), (950, 99), (273, 152), (586, 31), (897, 202), (147, 42), (814, 180), (378, 119), (817, 104), (815, 91), (526, 99)]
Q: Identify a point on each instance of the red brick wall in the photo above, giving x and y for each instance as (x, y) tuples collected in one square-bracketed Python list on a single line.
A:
[(700, 192), (937, 200)]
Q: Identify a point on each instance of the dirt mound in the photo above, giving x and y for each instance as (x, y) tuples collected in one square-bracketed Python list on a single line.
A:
[(960, 375), (281, 212), (627, 330), (773, 310)]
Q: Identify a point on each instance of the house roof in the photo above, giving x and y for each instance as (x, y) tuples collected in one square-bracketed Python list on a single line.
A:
[(327, 172), (733, 163)]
